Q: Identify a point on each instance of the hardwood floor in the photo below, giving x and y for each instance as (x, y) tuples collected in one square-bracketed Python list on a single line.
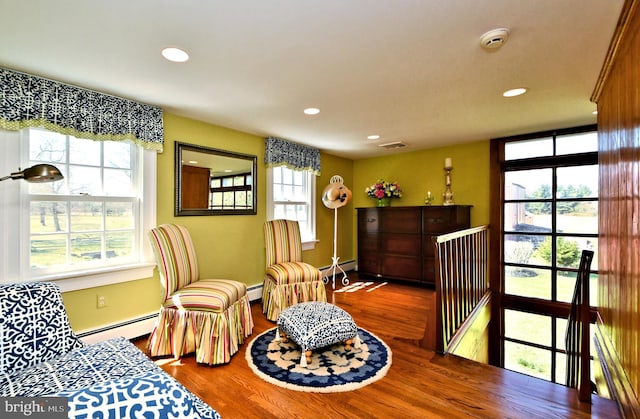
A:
[(419, 384)]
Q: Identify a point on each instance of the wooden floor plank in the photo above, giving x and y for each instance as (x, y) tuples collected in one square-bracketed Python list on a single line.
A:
[(419, 384)]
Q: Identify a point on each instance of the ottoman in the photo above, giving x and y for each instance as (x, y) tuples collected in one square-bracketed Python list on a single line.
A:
[(314, 325)]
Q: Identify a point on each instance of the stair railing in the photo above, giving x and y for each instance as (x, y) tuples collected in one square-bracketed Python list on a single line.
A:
[(577, 338), (462, 279)]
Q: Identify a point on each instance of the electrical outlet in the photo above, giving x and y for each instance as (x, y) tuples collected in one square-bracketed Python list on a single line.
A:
[(102, 301)]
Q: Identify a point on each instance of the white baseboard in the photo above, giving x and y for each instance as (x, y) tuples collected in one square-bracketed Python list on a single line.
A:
[(255, 292), (130, 329)]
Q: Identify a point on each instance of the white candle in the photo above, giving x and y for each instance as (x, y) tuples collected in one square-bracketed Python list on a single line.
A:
[(447, 163), (428, 194)]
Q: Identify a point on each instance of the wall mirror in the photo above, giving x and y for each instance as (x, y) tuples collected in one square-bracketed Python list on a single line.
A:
[(214, 182)]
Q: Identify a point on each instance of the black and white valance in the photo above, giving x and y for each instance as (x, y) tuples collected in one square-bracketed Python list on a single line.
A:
[(296, 156), (31, 101)]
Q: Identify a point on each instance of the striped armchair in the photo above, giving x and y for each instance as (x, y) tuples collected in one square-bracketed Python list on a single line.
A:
[(288, 279), (210, 317)]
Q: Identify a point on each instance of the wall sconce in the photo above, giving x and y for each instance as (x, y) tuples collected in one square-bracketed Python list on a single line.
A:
[(40, 173)]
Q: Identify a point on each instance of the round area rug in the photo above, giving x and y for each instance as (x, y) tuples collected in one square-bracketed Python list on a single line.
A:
[(331, 370)]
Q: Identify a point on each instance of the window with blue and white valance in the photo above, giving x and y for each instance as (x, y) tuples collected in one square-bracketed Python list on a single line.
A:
[(31, 101), (296, 156)]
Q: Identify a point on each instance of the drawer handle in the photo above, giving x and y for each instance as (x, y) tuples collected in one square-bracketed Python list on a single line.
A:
[(372, 220), (435, 220)]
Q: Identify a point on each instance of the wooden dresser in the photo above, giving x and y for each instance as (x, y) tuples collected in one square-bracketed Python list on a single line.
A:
[(395, 242)]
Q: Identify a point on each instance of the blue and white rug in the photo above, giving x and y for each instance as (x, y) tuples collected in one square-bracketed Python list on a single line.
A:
[(332, 369)]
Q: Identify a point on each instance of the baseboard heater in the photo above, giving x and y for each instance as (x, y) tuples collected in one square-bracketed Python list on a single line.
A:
[(141, 326), (129, 329)]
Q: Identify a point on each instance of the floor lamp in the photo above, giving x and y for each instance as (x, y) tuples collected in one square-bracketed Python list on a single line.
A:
[(40, 173), (334, 196)]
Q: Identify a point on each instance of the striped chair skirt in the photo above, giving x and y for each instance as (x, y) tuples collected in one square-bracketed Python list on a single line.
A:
[(290, 283), (210, 317)]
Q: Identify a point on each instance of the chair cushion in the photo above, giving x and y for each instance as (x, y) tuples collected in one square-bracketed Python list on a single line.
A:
[(315, 324), (215, 295), (293, 272)]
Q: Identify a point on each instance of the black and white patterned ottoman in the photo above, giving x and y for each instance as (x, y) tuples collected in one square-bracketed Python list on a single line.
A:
[(314, 325)]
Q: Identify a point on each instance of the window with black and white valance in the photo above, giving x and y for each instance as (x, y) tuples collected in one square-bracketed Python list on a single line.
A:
[(30, 101), (87, 229), (295, 156)]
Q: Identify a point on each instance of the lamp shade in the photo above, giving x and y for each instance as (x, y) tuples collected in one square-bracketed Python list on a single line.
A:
[(39, 173)]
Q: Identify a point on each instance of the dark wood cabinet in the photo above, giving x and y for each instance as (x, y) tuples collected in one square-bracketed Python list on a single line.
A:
[(395, 242), (195, 187)]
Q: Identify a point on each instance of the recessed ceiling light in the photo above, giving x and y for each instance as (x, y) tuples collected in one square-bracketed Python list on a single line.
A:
[(175, 54), (373, 137), (312, 111), (515, 92)]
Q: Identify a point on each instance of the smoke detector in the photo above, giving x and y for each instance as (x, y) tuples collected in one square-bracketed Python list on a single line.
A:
[(494, 39)]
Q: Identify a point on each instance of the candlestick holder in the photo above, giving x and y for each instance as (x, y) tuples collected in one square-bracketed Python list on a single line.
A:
[(448, 193), (428, 199)]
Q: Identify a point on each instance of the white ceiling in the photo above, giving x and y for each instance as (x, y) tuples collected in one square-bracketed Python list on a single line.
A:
[(408, 70)]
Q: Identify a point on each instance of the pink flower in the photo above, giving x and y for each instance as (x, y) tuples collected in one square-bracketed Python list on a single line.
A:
[(383, 189)]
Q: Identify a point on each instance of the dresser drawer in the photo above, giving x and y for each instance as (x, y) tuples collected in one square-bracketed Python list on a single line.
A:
[(401, 220), (400, 244), (402, 267), (368, 220), (439, 220)]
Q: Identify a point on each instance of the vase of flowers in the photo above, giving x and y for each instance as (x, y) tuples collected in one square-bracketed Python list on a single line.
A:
[(383, 192)]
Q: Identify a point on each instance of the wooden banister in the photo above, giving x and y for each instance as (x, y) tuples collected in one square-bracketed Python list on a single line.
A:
[(577, 338), (461, 265)]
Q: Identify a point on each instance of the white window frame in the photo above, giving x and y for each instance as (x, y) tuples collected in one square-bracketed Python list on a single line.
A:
[(309, 237), (14, 224)]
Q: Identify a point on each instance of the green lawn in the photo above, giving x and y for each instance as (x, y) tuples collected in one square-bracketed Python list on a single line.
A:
[(537, 328), (50, 235)]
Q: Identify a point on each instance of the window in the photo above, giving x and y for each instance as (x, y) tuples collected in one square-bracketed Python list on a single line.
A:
[(290, 196), (549, 215), (91, 222), (231, 192)]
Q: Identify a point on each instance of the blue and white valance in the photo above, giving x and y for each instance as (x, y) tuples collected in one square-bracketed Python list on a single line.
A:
[(295, 156), (31, 101)]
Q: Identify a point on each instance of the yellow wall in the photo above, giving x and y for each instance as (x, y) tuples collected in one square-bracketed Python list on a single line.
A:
[(421, 171), (124, 301), (230, 246)]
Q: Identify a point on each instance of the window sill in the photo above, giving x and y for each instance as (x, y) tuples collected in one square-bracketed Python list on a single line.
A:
[(100, 277), (309, 245)]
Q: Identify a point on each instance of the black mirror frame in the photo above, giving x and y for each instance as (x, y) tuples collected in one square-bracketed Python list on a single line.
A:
[(179, 211)]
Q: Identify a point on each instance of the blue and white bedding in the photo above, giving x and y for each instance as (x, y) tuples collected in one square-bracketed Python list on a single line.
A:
[(112, 378), (40, 356)]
